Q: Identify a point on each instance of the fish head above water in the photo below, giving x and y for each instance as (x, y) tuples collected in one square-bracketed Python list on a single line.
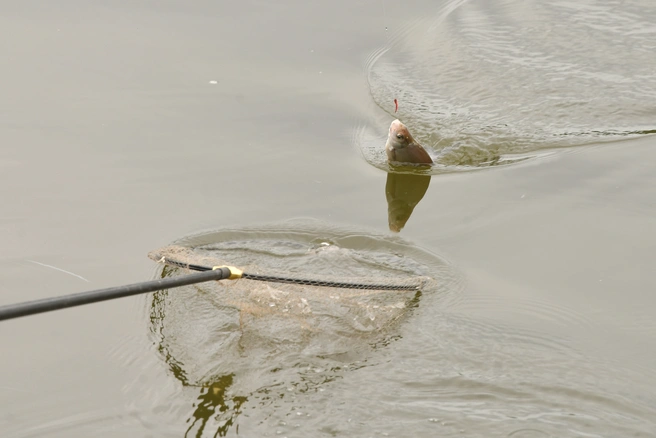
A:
[(399, 136), (402, 148)]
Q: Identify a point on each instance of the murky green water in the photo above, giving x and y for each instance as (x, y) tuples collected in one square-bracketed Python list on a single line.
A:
[(127, 127)]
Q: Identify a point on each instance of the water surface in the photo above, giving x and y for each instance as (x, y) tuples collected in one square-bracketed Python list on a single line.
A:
[(116, 142)]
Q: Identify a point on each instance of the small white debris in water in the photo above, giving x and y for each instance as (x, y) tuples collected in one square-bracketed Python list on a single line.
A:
[(311, 50), (299, 413), (320, 72), (272, 304), (523, 196), (214, 82)]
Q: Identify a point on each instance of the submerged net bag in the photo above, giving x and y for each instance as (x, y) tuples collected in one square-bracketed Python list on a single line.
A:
[(265, 291), (202, 328)]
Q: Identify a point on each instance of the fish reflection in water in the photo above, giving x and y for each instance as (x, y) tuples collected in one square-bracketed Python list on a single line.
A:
[(403, 192)]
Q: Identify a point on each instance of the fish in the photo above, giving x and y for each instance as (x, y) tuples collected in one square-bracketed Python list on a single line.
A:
[(402, 148)]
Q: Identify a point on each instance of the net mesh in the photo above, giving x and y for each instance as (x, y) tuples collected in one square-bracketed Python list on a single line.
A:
[(214, 328), (364, 301)]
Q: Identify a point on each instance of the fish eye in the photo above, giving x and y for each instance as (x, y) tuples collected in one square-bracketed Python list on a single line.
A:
[(399, 136)]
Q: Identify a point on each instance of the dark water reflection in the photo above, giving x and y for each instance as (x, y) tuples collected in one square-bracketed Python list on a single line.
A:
[(403, 192), (214, 406)]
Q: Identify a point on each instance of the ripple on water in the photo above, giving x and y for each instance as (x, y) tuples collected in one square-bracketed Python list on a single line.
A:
[(475, 378), (480, 82)]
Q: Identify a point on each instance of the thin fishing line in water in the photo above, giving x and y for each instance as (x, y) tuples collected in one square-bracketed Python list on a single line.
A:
[(59, 269)]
